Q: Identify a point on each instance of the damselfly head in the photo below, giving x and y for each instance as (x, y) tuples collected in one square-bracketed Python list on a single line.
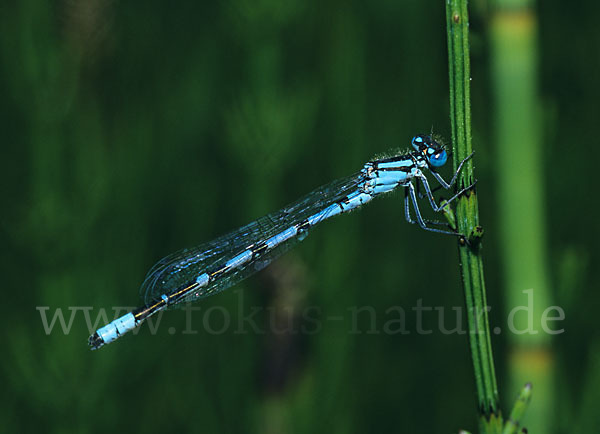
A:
[(435, 153)]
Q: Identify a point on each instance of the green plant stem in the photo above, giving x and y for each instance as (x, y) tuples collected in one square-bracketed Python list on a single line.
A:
[(518, 411), (467, 219), (522, 225)]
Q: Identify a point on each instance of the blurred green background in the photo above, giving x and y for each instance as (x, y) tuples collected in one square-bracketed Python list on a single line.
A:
[(133, 129)]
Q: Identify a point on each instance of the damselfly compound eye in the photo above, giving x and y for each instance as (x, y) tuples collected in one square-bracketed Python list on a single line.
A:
[(439, 158)]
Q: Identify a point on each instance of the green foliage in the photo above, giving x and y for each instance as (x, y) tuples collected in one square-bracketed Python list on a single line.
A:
[(131, 130)]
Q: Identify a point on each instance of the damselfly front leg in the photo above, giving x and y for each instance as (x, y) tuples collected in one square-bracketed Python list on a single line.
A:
[(443, 182)]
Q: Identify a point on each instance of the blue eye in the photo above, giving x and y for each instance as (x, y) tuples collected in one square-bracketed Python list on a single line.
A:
[(439, 159), (417, 141)]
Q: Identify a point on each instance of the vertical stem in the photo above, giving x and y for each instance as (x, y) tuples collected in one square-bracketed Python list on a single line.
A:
[(514, 57), (467, 218)]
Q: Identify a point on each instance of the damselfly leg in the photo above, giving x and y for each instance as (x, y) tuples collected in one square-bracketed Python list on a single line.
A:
[(411, 192)]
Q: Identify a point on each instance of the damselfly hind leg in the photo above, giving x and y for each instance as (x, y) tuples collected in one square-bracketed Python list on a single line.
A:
[(411, 192), (409, 218)]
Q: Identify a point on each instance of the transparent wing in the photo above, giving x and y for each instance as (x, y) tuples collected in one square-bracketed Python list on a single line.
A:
[(184, 266)]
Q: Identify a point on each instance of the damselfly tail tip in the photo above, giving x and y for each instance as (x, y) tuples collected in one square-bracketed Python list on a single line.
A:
[(95, 341)]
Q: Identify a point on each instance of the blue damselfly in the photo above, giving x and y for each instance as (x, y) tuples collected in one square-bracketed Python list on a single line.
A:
[(191, 274)]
